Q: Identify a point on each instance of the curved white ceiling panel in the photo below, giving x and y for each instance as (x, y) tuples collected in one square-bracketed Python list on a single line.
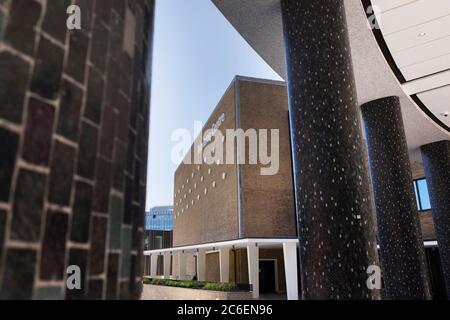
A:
[(259, 23)]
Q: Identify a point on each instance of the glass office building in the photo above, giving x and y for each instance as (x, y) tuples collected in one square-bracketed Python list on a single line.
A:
[(159, 219)]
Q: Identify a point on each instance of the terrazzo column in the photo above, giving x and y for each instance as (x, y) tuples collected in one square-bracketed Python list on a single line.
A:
[(74, 114), (334, 205), (436, 161), (399, 233)]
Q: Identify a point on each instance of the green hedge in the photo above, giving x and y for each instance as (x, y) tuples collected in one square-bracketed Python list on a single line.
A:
[(192, 284)]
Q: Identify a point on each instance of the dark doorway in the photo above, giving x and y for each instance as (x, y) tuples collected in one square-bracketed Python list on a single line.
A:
[(267, 276), (435, 274)]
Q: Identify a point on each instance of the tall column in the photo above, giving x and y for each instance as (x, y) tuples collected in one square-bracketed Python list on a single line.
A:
[(290, 269), (399, 232), (181, 265), (74, 115), (224, 263), (436, 160), (201, 265), (153, 264), (166, 263), (253, 268), (333, 197)]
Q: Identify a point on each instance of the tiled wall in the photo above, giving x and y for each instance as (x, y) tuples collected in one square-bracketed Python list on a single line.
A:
[(74, 110)]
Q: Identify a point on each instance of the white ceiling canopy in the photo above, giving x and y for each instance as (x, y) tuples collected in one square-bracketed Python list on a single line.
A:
[(259, 23), (417, 35)]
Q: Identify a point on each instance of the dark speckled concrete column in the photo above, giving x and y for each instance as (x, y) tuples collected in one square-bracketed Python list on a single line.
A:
[(436, 160), (401, 245), (334, 205)]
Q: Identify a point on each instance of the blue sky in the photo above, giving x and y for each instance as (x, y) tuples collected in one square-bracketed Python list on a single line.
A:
[(196, 54)]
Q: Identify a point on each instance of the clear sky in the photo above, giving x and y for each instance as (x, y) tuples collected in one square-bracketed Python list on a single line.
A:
[(196, 55)]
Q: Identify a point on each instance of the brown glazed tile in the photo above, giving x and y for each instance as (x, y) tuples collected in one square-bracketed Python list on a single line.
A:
[(38, 132), (3, 217), (69, 111), (48, 69), (95, 290), (55, 19), (102, 185), (94, 100), (78, 47), (107, 132), (98, 245), (81, 212), (120, 155), (54, 246), (99, 45), (20, 32), (28, 206), (112, 276), (61, 174), (13, 83), (18, 276), (103, 10), (9, 141), (87, 150)]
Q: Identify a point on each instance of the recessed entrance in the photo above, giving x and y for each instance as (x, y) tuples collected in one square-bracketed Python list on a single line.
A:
[(267, 281)]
